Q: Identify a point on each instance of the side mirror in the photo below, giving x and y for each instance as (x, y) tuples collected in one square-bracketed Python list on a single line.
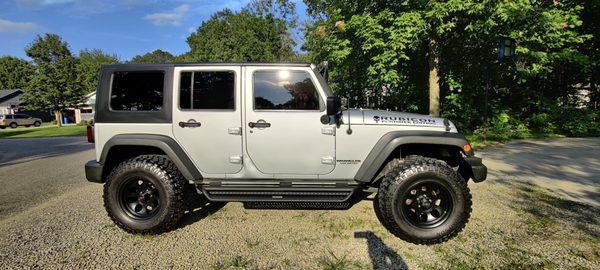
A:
[(334, 105)]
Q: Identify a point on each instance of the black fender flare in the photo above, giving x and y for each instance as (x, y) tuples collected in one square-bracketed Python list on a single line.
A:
[(391, 140), (167, 144)]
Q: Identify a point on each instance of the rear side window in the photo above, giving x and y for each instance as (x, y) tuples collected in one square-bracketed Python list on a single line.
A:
[(207, 90), (137, 91), (284, 90)]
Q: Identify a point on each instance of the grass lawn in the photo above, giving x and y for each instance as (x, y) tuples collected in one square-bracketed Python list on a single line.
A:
[(478, 143), (44, 131)]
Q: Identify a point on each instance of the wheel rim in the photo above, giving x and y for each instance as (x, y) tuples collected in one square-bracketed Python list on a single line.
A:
[(426, 204), (139, 198)]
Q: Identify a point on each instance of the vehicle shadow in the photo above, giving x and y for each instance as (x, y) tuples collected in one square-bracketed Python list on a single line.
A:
[(198, 207), (382, 256)]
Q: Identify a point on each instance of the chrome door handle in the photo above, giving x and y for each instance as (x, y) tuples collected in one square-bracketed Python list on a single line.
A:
[(259, 124), (190, 123)]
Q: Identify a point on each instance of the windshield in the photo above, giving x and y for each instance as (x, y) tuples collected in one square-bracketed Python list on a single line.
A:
[(323, 83)]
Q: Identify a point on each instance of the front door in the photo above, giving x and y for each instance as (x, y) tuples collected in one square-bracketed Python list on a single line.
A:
[(284, 134), (207, 117)]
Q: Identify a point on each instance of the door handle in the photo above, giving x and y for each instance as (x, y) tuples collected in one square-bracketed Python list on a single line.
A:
[(259, 124), (190, 123)]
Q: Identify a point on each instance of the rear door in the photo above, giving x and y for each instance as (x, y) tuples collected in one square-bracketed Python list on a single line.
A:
[(207, 117)]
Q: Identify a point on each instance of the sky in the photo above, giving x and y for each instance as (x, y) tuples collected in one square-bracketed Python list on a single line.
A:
[(125, 28)]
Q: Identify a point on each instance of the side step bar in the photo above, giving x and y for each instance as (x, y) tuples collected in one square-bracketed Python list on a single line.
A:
[(278, 192)]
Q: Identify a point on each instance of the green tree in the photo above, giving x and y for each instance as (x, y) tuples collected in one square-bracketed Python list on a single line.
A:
[(89, 66), (156, 56), (259, 32), (54, 85), (386, 54), (14, 72)]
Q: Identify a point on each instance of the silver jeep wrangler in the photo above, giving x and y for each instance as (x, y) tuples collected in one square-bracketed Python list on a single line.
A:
[(271, 136)]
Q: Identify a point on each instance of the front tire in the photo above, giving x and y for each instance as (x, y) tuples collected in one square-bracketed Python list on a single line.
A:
[(423, 201), (145, 195), (37, 123), (13, 125)]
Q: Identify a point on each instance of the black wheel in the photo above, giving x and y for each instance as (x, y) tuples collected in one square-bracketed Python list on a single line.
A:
[(37, 123), (13, 125), (145, 195), (423, 201)]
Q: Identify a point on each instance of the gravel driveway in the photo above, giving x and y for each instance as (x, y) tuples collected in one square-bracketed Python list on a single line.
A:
[(50, 217)]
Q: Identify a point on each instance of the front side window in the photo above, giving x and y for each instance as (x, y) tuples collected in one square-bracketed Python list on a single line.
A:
[(284, 90), (137, 91), (207, 90)]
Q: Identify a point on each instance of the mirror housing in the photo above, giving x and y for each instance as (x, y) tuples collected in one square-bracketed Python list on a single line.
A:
[(334, 105)]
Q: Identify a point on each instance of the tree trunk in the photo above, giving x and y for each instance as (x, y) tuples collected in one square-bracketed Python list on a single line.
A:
[(434, 77), (58, 116)]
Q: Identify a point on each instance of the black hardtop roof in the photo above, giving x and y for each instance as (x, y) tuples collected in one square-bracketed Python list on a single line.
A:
[(208, 64)]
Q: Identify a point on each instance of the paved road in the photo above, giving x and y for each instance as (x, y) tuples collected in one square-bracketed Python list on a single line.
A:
[(50, 217), (569, 168)]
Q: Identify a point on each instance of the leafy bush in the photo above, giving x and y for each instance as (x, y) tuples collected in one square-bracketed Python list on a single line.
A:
[(504, 127), (459, 112), (542, 123), (577, 122)]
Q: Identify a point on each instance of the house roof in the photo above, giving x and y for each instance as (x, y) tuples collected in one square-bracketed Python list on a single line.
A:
[(9, 94)]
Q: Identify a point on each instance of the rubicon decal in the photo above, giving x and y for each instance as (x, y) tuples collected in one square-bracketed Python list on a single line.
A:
[(403, 120)]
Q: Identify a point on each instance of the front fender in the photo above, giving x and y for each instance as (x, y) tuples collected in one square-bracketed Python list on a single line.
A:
[(392, 140)]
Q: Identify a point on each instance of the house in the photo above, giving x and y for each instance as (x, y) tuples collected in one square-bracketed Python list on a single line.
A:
[(10, 99), (85, 111), (10, 102)]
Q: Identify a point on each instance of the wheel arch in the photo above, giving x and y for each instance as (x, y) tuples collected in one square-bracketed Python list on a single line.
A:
[(403, 143), (122, 147)]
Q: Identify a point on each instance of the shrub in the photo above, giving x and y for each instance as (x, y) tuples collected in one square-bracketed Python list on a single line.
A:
[(542, 123), (578, 122), (504, 127)]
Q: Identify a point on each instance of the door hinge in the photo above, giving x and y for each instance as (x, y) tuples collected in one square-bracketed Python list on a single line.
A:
[(235, 159), (328, 160), (328, 131), (235, 131)]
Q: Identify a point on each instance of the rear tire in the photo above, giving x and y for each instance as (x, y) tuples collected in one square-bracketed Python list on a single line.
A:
[(13, 125), (145, 195), (423, 201), (37, 123)]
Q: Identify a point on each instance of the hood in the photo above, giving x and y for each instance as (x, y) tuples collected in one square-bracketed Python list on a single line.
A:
[(391, 118)]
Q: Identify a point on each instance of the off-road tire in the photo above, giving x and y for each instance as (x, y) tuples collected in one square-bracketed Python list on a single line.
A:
[(167, 179), (408, 172), (13, 125)]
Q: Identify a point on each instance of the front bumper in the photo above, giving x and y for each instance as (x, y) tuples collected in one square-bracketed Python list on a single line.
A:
[(478, 170), (93, 171)]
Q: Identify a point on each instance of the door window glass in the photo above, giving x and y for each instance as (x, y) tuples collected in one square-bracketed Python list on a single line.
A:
[(207, 90), (284, 90)]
